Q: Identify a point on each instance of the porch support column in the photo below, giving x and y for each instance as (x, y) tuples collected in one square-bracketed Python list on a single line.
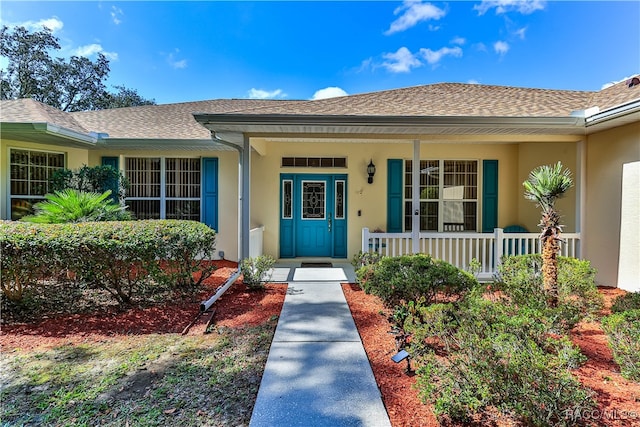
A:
[(415, 198), (245, 197), (581, 190)]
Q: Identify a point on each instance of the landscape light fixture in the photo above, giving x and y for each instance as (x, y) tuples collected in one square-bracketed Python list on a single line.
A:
[(371, 171), (402, 355)]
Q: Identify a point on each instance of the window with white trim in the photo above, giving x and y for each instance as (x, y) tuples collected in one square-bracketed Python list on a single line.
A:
[(448, 195), (164, 188), (30, 172)]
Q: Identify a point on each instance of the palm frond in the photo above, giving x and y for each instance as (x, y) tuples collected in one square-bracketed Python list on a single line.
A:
[(546, 184)]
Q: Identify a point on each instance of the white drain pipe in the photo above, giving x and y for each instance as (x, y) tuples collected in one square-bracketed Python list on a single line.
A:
[(206, 305)]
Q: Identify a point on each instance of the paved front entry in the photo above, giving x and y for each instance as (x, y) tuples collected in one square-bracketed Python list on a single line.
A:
[(317, 372)]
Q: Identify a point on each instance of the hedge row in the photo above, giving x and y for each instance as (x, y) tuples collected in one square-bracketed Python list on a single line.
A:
[(119, 257)]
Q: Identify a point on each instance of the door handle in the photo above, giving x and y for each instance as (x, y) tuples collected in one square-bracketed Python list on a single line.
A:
[(329, 223)]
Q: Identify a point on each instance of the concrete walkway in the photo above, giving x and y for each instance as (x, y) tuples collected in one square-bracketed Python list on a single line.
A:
[(317, 372)]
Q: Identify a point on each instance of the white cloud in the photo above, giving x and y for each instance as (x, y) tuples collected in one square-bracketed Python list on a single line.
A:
[(413, 12), (503, 6), (92, 49), (501, 47), (265, 94), (329, 92), (473, 82), (402, 61), (434, 56), (481, 47), (175, 63), (521, 32), (53, 23), (116, 15), (458, 40)]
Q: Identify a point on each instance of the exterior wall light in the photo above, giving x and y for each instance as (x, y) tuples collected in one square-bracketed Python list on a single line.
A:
[(371, 171)]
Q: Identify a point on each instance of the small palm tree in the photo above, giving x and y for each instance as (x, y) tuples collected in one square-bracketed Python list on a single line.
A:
[(71, 205), (545, 185)]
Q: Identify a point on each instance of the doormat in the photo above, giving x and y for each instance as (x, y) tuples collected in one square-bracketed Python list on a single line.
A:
[(316, 265)]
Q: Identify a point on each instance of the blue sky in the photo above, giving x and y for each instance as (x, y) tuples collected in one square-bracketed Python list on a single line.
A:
[(196, 50)]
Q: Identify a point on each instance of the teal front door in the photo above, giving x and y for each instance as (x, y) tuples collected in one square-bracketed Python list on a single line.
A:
[(313, 216)]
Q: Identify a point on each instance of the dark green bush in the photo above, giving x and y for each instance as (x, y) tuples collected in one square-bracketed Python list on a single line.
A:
[(497, 356), (628, 301), (122, 258), (398, 280), (95, 179), (520, 280), (623, 330)]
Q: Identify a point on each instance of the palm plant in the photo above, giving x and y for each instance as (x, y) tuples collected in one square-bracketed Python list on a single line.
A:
[(545, 185), (71, 205)]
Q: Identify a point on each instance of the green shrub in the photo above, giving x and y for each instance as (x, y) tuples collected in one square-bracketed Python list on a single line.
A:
[(255, 271), (628, 301), (398, 280), (96, 179), (497, 356), (122, 258), (26, 258), (520, 280), (77, 206), (623, 330)]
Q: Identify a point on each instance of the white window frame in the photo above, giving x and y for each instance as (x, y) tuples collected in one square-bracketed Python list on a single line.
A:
[(163, 199), (11, 196), (441, 200)]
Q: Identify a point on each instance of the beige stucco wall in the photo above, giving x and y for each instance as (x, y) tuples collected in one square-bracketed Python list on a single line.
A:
[(607, 152), (370, 199), (75, 158), (534, 154), (227, 233)]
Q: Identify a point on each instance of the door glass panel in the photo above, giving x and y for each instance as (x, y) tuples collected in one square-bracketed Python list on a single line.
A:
[(287, 199), (339, 199), (313, 199)]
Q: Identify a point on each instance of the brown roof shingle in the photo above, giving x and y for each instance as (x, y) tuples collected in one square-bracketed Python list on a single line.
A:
[(175, 121), (27, 110)]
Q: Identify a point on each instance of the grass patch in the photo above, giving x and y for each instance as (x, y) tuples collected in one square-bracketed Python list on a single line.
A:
[(150, 380)]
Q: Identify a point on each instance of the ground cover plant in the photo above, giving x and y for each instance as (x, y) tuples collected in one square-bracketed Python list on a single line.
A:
[(623, 330)]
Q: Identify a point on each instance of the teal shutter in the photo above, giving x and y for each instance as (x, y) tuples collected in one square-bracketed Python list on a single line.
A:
[(210, 192), (489, 195), (114, 162), (394, 195)]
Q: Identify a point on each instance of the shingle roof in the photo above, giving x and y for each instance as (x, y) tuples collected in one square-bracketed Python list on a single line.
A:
[(175, 121), (165, 121), (27, 110)]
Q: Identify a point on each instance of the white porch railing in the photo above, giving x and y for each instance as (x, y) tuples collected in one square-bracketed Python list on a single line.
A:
[(460, 248), (255, 241)]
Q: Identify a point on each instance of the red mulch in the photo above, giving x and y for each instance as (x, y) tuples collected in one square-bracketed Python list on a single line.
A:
[(618, 399), (236, 308)]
